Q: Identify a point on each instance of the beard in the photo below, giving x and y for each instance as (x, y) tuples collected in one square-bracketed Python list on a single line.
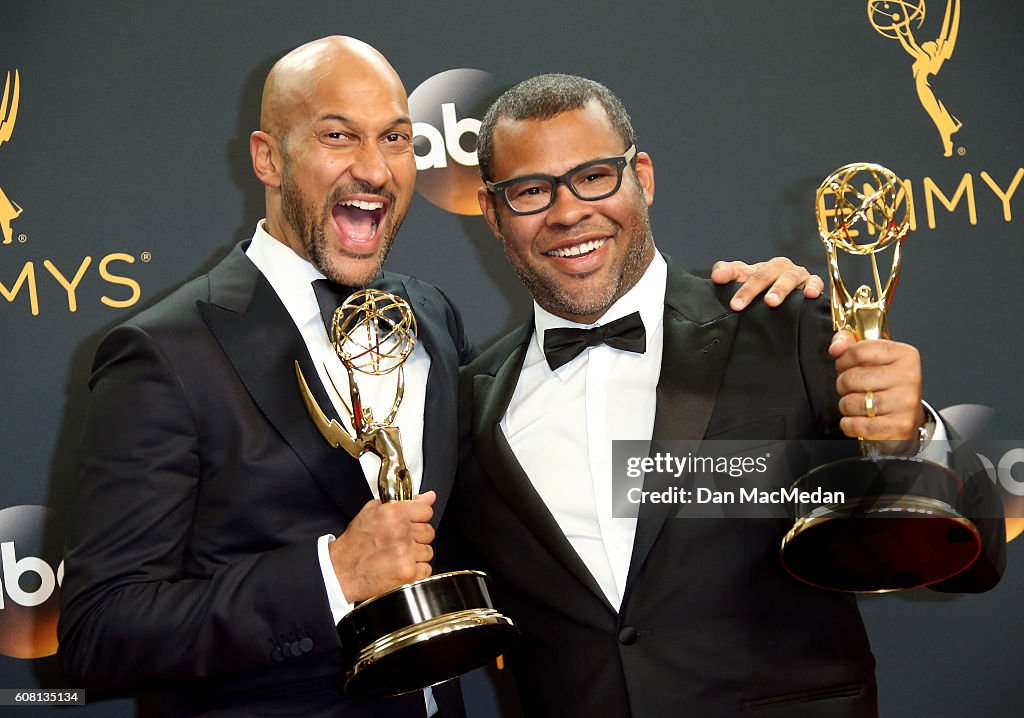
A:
[(566, 301), (311, 222)]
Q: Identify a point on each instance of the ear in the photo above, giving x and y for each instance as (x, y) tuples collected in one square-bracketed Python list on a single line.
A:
[(489, 210), (266, 158), (645, 174)]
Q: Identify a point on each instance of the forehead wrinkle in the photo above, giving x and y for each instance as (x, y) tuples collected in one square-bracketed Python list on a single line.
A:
[(399, 118)]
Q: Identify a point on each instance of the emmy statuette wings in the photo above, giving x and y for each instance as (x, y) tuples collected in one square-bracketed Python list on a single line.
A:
[(373, 333), (429, 631), (9, 211)]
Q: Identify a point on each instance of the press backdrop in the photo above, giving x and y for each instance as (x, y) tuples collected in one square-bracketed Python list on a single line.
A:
[(124, 170)]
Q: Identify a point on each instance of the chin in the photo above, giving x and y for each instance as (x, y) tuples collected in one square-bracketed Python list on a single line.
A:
[(351, 271)]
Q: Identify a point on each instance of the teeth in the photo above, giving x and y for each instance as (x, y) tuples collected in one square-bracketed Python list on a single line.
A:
[(361, 204), (578, 249)]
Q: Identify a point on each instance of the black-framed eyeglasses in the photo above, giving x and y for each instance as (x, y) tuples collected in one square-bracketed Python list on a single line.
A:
[(589, 181)]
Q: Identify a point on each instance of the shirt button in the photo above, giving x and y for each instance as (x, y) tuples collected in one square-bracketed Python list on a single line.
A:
[(627, 636)]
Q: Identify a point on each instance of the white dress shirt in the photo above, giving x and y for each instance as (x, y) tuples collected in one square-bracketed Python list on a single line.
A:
[(292, 278), (561, 424)]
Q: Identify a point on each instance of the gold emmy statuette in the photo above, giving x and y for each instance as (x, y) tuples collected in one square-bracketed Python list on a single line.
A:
[(898, 528), (428, 631)]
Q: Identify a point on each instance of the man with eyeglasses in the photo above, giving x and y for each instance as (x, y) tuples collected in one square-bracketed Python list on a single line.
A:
[(644, 617)]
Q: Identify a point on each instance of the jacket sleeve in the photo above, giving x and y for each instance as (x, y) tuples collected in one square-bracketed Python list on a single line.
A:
[(980, 503), (134, 608)]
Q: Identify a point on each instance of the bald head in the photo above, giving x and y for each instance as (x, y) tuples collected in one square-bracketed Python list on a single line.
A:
[(295, 79), (335, 154)]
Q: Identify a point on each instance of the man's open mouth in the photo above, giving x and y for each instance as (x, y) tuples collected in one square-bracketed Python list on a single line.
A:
[(357, 220)]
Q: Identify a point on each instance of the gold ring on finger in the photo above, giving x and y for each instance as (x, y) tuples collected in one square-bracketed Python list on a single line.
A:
[(869, 403)]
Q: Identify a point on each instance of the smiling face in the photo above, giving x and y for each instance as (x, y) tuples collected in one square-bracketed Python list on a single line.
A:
[(577, 257), (336, 155)]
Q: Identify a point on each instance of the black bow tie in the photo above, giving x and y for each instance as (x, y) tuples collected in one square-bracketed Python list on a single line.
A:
[(330, 296), (565, 344)]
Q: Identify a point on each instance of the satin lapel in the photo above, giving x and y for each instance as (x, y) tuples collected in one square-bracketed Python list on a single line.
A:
[(491, 397), (261, 341), (440, 421), (698, 334)]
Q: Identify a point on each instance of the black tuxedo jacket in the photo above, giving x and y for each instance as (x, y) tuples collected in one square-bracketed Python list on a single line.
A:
[(191, 561), (710, 625)]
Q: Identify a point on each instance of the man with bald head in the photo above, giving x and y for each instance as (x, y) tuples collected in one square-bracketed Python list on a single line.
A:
[(218, 538), (335, 153)]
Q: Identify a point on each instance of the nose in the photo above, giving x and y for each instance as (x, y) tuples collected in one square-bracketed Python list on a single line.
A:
[(370, 165), (567, 209)]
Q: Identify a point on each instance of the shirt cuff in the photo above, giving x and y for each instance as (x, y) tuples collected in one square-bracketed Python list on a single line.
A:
[(934, 445), (930, 443), (340, 605)]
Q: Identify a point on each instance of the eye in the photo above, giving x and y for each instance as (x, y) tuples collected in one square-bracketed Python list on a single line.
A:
[(335, 137), (396, 140), (521, 190), (598, 173)]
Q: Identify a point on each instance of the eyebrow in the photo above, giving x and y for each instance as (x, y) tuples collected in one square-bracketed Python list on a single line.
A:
[(400, 120)]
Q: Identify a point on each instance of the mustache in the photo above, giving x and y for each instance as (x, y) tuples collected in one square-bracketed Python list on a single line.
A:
[(574, 233), (360, 188)]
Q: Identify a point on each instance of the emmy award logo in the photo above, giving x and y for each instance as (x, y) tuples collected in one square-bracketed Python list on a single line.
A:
[(429, 631), (899, 528), (894, 19), (9, 211)]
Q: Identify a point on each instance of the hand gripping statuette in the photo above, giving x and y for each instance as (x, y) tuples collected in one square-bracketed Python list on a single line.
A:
[(429, 631), (898, 528)]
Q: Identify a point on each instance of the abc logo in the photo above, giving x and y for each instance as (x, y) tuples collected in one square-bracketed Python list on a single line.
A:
[(1004, 468), (1005, 472), (445, 111), (30, 575)]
